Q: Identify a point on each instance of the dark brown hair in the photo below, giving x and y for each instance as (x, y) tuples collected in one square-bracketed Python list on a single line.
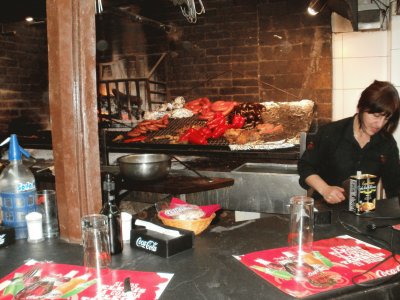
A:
[(381, 97)]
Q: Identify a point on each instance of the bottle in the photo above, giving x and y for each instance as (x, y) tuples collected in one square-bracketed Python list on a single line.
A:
[(17, 190), (111, 210)]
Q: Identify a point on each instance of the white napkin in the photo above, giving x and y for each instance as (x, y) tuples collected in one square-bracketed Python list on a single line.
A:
[(154, 227)]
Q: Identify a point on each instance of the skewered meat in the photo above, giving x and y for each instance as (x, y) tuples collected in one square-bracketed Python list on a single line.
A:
[(148, 125), (251, 111), (262, 133)]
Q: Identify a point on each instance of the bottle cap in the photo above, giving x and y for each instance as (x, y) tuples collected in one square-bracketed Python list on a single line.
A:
[(108, 183), (15, 151)]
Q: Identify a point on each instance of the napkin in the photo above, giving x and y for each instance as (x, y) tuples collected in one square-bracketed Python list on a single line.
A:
[(207, 209)]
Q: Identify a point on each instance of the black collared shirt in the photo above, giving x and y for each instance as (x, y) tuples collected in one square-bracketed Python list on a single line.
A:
[(336, 155)]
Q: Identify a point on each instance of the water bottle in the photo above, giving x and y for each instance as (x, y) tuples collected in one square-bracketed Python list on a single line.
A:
[(17, 190), (111, 210)]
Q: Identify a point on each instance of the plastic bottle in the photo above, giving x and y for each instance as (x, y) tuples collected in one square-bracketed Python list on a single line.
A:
[(111, 210), (17, 190)]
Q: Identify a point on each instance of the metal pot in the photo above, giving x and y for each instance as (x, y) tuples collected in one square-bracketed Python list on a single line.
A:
[(144, 167)]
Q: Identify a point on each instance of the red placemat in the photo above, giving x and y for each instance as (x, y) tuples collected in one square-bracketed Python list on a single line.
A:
[(44, 280), (333, 263)]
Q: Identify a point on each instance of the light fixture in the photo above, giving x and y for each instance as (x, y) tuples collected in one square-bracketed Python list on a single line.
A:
[(343, 8), (34, 21), (316, 6), (99, 6)]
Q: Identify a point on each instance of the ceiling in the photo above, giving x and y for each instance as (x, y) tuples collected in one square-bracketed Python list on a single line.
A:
[(18, 10)]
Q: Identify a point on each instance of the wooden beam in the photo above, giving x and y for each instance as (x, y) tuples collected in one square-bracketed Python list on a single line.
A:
[(73, 111)]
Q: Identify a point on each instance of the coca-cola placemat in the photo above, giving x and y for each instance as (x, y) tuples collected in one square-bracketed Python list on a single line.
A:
[(45, 280), (334, 263)]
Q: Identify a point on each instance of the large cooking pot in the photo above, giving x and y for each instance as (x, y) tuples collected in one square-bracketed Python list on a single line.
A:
[(144, 167)]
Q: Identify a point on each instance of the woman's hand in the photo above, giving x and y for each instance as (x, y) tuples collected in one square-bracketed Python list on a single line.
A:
[(333, 194)]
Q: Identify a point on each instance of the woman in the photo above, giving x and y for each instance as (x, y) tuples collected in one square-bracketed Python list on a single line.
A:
[(363, 143)]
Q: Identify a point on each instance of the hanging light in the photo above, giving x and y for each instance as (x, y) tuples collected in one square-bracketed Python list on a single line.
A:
[(99, 6), (316, 6)]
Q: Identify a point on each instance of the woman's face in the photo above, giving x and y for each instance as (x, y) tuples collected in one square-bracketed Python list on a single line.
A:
[(373, 122)]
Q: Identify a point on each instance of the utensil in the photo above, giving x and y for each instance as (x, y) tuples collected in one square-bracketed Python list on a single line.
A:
[(193, 170), (144, 167), (25, 279)]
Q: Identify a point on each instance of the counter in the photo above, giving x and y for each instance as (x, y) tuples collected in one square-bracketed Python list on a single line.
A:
[(208, 271)]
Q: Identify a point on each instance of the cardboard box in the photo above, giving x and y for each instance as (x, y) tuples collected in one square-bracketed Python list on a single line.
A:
[(161, 244), (7, 236)]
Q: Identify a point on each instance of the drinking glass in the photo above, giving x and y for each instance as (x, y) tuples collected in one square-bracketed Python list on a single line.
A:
[(301, 226), (300, 238), (96, 241), (47, 206)]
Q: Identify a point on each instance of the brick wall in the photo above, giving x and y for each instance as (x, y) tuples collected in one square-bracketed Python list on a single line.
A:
[(23, 76), (255, 50)]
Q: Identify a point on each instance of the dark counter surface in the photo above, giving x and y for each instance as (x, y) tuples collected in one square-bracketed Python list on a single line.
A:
[(208, 271)]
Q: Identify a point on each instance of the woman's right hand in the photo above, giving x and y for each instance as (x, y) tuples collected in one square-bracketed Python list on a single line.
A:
[(333, 194)]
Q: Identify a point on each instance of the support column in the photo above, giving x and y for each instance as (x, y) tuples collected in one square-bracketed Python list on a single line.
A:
[(73, 111)]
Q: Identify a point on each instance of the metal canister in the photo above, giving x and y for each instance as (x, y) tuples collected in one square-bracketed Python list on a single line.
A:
[(362, 193)]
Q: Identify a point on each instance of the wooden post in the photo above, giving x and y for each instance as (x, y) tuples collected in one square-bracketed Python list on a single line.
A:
[(73, 111)]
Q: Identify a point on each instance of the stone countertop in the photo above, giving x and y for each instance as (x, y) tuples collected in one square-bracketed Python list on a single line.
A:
[(208, 271)]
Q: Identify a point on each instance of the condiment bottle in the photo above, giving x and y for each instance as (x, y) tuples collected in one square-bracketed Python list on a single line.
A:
[(111, 210), (17, 189)]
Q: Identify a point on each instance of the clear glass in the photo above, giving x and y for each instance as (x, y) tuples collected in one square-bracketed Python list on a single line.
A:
[(300, 238), (47, 206), (96, 241), (301, 225)]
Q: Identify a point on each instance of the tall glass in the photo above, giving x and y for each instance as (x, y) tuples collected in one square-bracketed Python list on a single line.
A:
[(301, 226), (300, 238), (96, 241), (47, 206)]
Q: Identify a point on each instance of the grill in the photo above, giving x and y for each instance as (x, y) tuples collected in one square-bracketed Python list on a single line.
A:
[(215, 147)]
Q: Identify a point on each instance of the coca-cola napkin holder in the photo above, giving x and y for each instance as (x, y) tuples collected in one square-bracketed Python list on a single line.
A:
[(161, 244), (7, 236)]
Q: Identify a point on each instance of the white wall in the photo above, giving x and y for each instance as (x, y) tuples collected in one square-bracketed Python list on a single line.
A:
[(358, 59)]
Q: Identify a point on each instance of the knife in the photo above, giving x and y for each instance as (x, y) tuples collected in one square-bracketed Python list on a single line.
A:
[(127, 288)]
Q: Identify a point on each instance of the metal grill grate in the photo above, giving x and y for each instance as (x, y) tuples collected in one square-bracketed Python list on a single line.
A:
[(215, 147)]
